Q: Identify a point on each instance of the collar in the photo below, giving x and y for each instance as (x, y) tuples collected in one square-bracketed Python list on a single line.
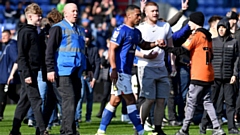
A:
[(71, 24)]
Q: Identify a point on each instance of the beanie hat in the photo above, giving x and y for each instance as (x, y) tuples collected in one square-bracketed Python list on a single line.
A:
[(197, 18), (232, 15)]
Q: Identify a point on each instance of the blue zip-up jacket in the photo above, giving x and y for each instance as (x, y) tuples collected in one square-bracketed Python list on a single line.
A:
[(68, 46), (179, 37), (8, 59)]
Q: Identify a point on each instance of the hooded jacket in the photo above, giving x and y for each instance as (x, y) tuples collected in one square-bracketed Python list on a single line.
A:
[(28, 50), (200, 46), (225, 51)]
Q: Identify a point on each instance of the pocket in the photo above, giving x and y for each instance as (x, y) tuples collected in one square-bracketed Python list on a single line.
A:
[(68, 60)]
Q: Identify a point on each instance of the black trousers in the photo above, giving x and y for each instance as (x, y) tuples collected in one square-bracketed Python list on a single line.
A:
[(52, 99), (222, 91), (69, 88), (29, 96), (11, 93), (106, 95)]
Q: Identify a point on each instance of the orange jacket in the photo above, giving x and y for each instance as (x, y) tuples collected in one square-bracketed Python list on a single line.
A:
[(200, 46)]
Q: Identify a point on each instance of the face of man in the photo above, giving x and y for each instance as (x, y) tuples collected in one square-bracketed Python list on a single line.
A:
[(71, 12), (5, 37), (135, 16), (152, 13), (222, 31), (232, 22)]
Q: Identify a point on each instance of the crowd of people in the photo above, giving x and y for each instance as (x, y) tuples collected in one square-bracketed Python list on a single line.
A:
[(142, 63)]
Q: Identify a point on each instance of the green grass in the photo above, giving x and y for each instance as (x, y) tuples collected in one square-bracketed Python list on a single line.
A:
[(116, 127)]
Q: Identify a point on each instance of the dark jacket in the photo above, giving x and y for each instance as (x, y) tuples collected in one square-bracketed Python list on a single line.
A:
[(8, 57), (28, 50), (225, 54), (93, 60)]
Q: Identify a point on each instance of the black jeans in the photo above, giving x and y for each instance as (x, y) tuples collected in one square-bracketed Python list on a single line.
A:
[(29, 96), (69, 88), (11, 93)]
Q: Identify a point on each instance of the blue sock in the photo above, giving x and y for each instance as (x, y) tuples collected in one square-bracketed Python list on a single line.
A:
[(106, 117), (133, 114)]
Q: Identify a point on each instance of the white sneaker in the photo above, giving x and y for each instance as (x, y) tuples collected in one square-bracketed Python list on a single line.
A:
[(31, 123), (125, 118), (147, 127), (100, 132)]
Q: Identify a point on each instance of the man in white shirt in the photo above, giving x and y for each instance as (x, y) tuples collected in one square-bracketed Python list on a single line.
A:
[(153, 74)]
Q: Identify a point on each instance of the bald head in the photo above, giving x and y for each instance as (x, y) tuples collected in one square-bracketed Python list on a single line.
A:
[(70, 12)]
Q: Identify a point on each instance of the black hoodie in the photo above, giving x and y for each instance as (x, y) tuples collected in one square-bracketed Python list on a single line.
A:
[(225, 51), (28, 50)]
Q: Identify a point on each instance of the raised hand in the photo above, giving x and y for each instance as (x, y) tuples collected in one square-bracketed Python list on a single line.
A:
[(184, 5)]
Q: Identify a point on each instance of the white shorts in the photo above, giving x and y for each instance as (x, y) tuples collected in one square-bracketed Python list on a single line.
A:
[(123, 85), (134, 84)]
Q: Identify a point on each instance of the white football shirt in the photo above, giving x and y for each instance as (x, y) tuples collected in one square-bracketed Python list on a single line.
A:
[(152, 33)]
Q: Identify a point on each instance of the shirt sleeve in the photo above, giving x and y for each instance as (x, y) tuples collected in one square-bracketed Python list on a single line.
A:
[(117, 36), (55, 36), (169, 31), (190, 42)]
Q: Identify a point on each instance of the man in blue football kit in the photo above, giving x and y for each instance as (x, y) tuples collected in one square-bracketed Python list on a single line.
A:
[(124, 42)]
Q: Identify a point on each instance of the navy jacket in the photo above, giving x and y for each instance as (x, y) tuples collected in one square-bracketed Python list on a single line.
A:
[(9, 57)]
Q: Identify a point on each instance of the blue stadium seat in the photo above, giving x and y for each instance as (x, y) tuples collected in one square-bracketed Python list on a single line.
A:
[(219, 2), (220, 11), (2, 18), (200, 8), (201, 3), (15, 2), (210, 3), (210, 11), (10, 26)]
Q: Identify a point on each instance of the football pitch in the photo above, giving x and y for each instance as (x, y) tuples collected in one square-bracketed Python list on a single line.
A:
[(116, 127)]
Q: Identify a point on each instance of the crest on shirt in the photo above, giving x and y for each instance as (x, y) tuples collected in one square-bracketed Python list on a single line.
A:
[(115, 34)]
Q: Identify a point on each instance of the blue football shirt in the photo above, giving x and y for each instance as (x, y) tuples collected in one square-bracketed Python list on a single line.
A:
[(127, 38)]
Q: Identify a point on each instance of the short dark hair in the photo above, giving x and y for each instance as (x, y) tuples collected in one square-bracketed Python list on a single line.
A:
[(131, 7), (213, 19), (7, 31)]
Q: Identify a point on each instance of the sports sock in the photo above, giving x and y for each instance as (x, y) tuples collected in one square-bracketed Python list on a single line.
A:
[(106, 117), (134, 117)]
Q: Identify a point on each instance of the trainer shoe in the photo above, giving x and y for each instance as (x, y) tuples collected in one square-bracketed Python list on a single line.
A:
[(14, 134), (174, 123), (157, 133), (100, 132), (181, 132), (125, 118), (147, 127), (202, 129), (234, 131), (218, 131), (31, 123)]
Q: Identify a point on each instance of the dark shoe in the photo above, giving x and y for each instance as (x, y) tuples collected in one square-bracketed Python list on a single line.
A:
[(175, 123), (220, 121), (99, 115), (45, 133), (160, 132), (218, 131), (14, 134), (180, 132), (202, 129), (234, 131), (1, 118), (210, 127)]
